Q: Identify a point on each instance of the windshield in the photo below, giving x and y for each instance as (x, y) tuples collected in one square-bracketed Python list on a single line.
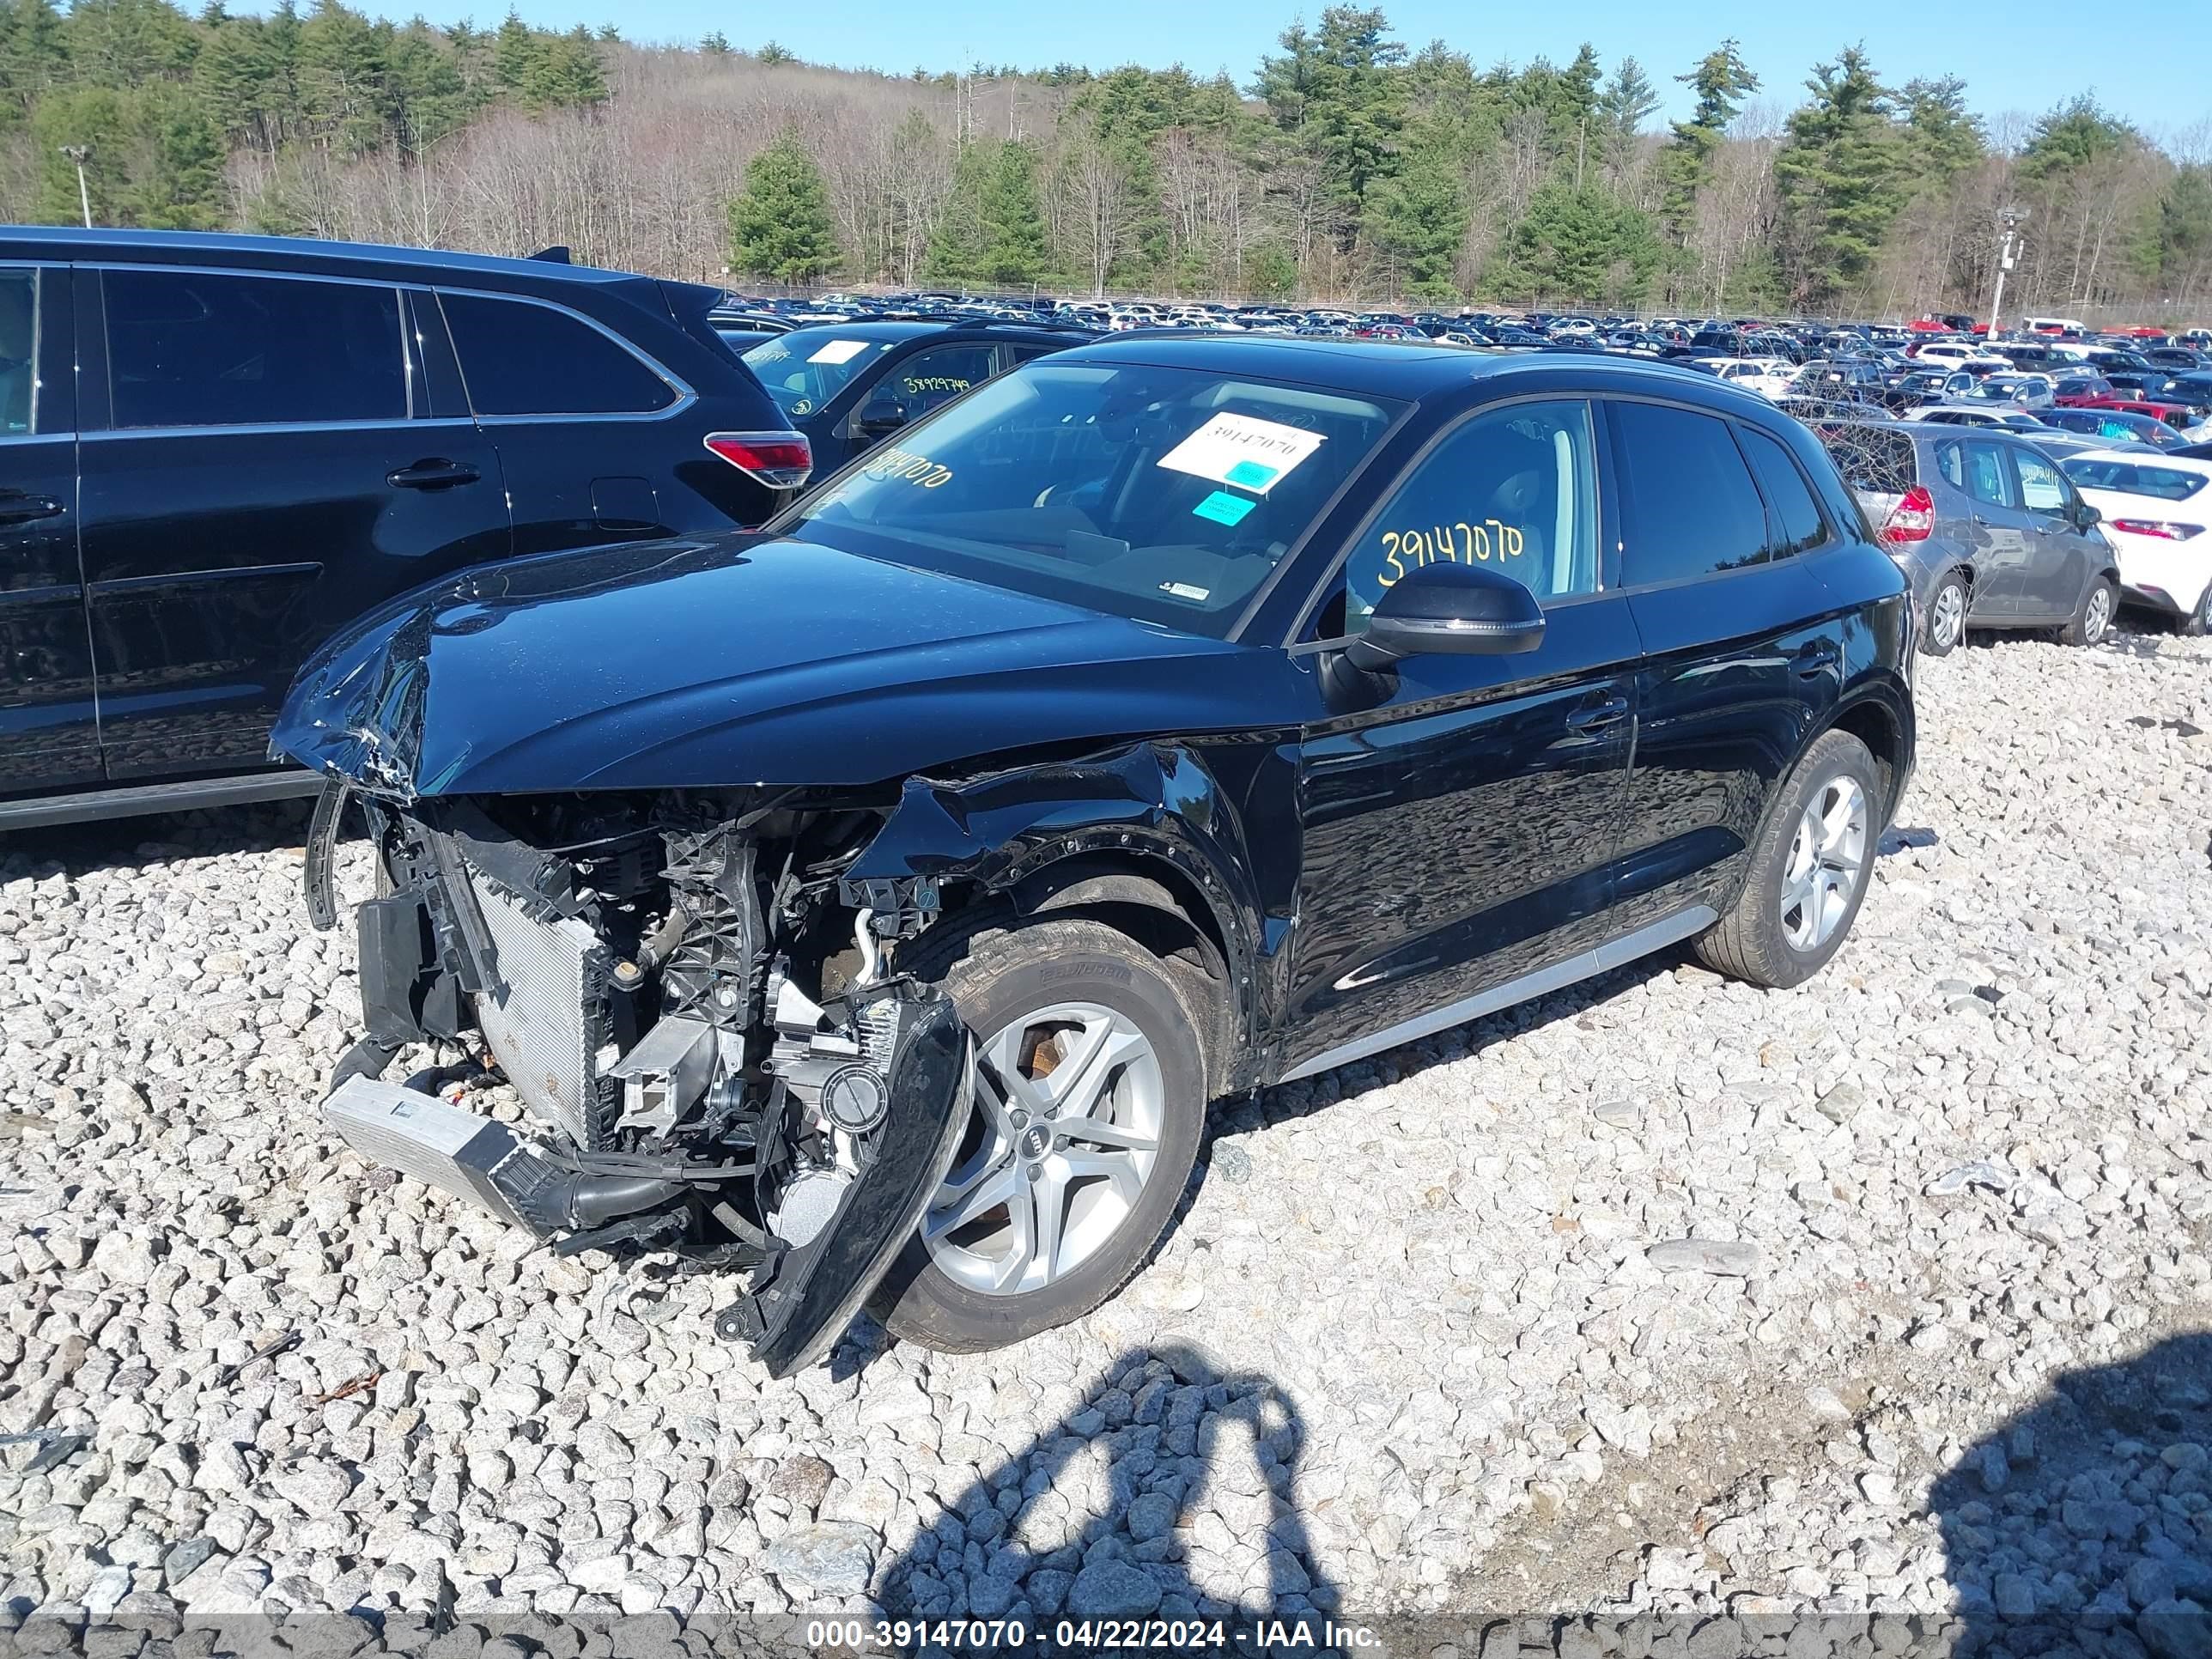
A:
[(803, 370), (2131, 477), (1164, 493)]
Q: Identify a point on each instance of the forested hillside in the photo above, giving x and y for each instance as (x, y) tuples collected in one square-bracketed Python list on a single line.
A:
[(1341, 162)]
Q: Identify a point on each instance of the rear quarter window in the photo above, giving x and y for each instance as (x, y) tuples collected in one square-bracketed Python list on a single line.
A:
[(521, 358)]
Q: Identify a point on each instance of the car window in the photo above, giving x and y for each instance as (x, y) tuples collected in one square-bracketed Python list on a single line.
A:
[(1165, 494), (1515, 488), (1982, 473), (19, 351), (1797, 516), (2166, 482), (2041, 489), (1689, 507), (201, 348), (804, 369), (921, 383), (519, 358)]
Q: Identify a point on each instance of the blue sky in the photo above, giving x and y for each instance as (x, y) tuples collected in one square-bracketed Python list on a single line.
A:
[(2153, 67)]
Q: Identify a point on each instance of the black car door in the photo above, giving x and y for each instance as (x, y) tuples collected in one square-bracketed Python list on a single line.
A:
[(589, 430), (257, 471), (1460, 815), (2061, 553), (49, 718), (1743, 647)]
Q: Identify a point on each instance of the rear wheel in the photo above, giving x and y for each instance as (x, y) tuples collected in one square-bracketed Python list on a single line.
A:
[(2093, 620), (1090, 1096), (1808, 870), (1947, 617)]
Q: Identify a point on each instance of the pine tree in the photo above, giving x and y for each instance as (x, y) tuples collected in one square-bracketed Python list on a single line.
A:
[(779, 227), (566, 74), (1014, 238), (1840, 173), (1417, 218), (1628, 101), (955, 249), (1580, 245), (1722, 78)]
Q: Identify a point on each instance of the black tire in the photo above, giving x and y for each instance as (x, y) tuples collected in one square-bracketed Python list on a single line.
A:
[(1749, 943), (2093, 618), (1932, 642), (993, 976), (2198, 622)]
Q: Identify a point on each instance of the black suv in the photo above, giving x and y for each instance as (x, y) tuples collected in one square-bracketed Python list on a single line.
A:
[(215, 449), (878, 900), (849, 385)]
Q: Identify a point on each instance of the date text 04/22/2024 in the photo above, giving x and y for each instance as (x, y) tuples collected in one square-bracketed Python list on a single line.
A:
[(1314, 1634)]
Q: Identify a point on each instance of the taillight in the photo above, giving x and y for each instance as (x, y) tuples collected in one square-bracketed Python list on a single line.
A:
[(780, 460), (1913, 518), (2164, 531)]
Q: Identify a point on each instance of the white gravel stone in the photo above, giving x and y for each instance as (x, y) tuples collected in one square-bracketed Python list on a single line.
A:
[(1430, 1326)]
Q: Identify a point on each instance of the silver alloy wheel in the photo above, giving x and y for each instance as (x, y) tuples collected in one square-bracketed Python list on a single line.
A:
[(1946, 618), (1069, 1107), (2097, 616), (1826, 857)]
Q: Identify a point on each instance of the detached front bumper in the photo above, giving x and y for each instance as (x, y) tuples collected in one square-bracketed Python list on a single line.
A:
[(802, 1298)]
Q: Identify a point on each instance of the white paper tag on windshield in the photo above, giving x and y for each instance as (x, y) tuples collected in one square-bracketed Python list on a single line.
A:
[(839, 351), (1238, 450)]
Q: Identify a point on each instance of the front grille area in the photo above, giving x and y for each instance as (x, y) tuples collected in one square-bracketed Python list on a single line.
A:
[(547, 1028)]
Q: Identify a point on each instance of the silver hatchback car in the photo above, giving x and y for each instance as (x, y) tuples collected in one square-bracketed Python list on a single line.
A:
[(1988, 529)]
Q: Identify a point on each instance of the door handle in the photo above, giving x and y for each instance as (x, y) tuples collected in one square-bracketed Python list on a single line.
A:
[(1596, 716), (16, 508), (1977, 519), (434, 474), (1816, 658)]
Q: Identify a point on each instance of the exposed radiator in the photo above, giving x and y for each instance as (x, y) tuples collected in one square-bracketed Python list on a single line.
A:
[(547, 1031)]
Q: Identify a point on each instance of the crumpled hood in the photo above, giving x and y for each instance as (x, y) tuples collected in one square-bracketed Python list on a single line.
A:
[(738, 661)]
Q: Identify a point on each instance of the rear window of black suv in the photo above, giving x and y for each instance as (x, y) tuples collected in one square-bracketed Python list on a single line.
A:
[(521, 358)]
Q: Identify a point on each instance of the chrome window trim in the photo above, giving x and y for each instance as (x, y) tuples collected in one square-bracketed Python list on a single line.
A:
[(685, 395), (143, 267), (109, 435)]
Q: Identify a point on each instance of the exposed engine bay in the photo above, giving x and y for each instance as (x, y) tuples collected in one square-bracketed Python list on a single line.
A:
[(700, 1014)]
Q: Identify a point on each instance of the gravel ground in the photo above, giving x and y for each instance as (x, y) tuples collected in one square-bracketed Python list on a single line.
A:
[(1663, 1296)]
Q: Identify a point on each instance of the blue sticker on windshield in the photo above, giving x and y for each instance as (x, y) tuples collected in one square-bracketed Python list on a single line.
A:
[(1223, 509), (1251, 475)]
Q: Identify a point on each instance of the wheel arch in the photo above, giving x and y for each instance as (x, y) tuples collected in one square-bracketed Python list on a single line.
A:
[(1139, 839), (1876, 724)]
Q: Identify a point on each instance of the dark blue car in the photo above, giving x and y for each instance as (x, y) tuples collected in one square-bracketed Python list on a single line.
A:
[(879, 901)]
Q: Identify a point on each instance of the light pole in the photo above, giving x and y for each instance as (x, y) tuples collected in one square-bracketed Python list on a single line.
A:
[(80, 154), (2011, 218)]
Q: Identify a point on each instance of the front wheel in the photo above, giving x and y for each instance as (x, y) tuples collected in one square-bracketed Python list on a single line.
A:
[(1090, 1096), (2094, 619), (1808, 870)]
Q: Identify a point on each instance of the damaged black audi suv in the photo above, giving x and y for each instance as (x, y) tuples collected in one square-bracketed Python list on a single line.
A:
[(872, 903)]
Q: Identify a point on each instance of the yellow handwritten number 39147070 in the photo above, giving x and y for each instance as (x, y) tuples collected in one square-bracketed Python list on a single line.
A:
[(1491, 539)]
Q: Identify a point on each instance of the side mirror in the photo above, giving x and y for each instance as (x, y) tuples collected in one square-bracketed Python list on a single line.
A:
[(1462, 609), (2086, 516), (879, 419)]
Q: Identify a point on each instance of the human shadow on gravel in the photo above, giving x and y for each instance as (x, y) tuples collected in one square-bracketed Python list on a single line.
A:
[(1171, 1492), (2083, 1525), (160, 838)]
